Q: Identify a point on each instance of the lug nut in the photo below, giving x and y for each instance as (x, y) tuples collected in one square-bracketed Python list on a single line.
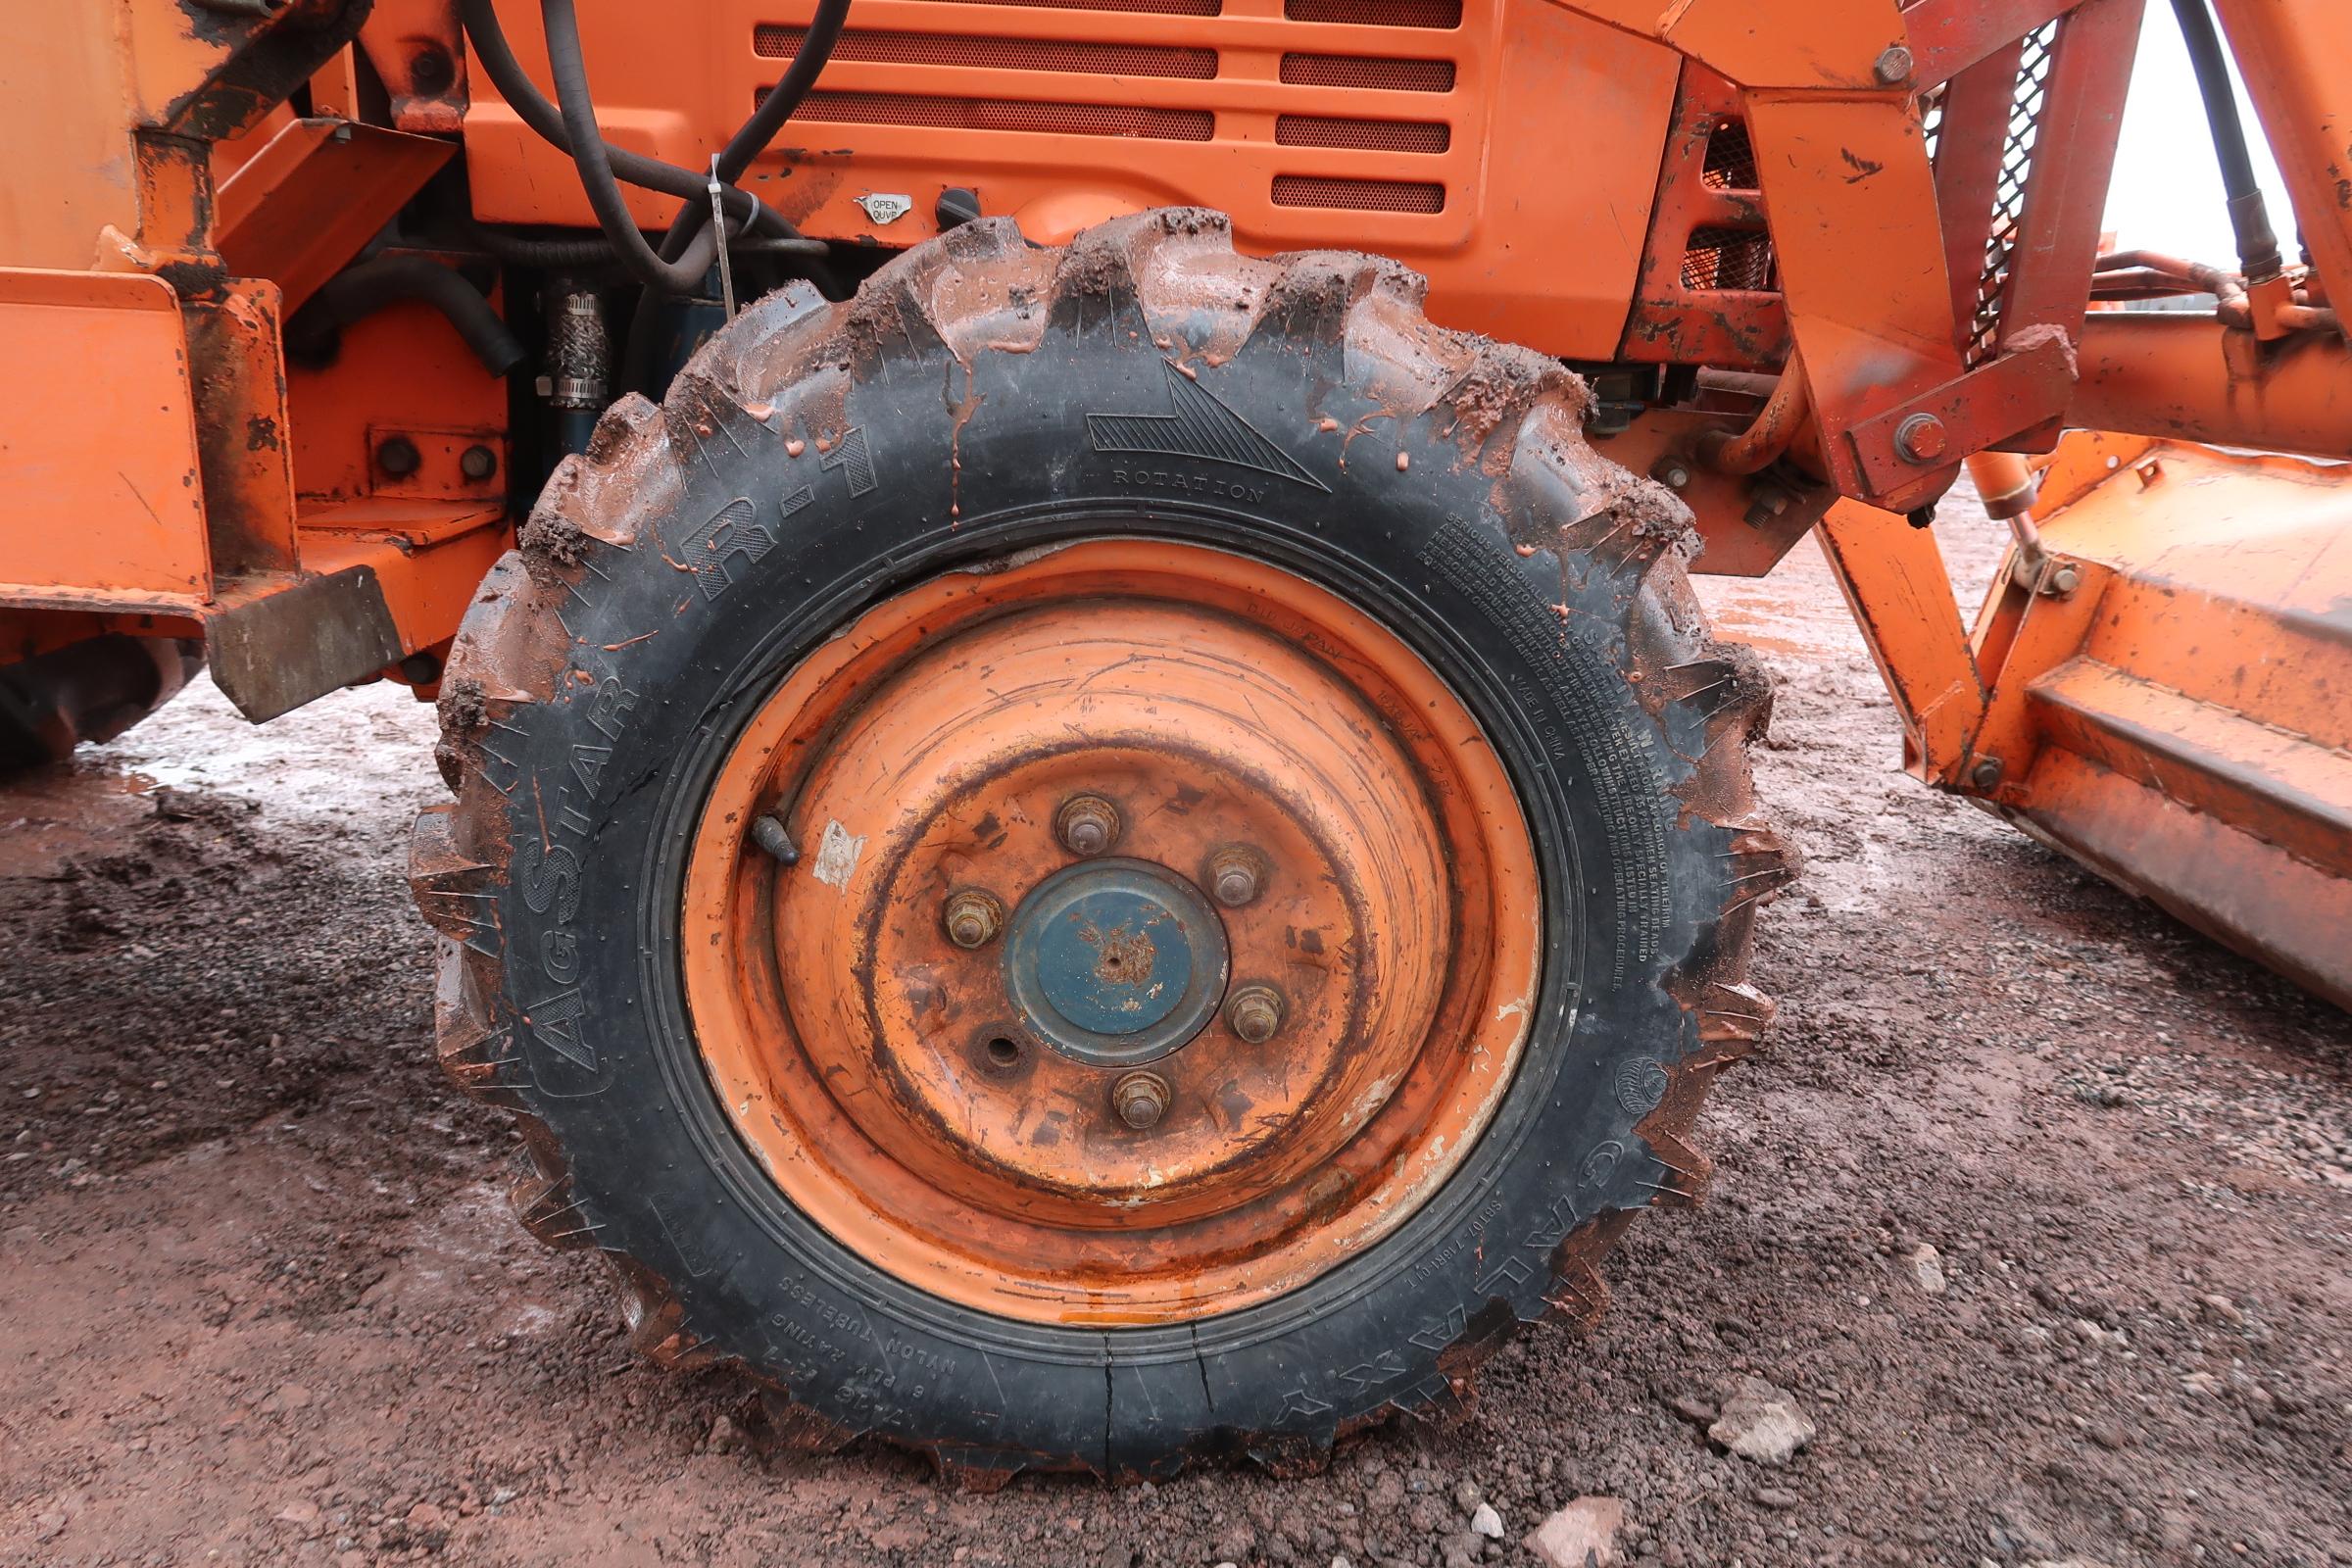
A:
[(1254, 1013), (973, 917), (1235, 875), (1141, 1099), (1087, 824)]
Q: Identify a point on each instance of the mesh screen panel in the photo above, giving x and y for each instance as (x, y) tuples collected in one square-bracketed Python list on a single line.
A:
[(1727, 258), (1376, 12), (2009, 192), (1375, 135), (1365, 70), (1359, 195)]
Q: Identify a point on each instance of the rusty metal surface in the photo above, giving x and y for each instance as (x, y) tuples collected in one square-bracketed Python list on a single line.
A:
[(243, 448), (948, 1102), (273, 653), (1719, 306)]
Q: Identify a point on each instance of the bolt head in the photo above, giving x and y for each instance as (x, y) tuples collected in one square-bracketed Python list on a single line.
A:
[(1986, 774), (1087, 824), (398, 457), (1254, 1013), (1672, 472), (2066, 578), (1893, 65), (431, 72), (1141, 1099), (1235, 875), (478, 463), (1922, 438), (973, 916)]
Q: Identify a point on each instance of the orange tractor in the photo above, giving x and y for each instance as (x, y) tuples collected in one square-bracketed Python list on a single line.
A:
[(1094, 824)]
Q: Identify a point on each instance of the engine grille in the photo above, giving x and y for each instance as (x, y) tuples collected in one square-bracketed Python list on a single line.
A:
[(1325, 151)]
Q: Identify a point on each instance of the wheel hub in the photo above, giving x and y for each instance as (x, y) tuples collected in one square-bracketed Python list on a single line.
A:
[(1114, 962), (1165, 931)]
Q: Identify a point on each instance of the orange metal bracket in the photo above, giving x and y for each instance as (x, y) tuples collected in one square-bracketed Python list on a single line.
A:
[(1895, 583), (302, 207), (419, 52), (98, 444)]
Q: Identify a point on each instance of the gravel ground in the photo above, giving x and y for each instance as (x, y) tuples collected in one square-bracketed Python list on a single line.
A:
[(2037, 1212)]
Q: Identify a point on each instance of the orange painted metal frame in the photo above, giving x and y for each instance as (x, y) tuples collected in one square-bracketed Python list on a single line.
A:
[(304, 204)]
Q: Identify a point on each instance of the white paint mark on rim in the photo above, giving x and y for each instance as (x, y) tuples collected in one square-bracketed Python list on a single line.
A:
[(837, 851)]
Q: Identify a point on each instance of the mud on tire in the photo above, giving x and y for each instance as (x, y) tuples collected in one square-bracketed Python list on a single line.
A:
[(939, 423)]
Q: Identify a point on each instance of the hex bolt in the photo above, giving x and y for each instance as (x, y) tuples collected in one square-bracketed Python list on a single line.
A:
[(973, 917), (478, 463), (1766, 504), (398, 457), (1087, 824), (2065, 578), (1922, 439), (1893, 65), (1237, 875), (1671, 471), (1254, 1013), (1141, 1099), (1986, 774)]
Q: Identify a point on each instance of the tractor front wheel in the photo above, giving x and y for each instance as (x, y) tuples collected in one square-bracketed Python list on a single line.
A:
[(1099, 857)]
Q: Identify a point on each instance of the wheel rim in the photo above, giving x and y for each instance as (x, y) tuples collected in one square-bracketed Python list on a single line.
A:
[(1162, 932)]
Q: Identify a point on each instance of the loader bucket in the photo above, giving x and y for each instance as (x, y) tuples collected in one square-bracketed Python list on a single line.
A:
[(2182, 701)]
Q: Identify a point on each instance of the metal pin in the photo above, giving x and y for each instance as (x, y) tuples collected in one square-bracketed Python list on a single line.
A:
[(727, 271), (769, 833)]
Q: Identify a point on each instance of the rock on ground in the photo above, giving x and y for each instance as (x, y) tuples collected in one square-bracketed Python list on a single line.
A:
[(1582, 1535), (1762, 1423)]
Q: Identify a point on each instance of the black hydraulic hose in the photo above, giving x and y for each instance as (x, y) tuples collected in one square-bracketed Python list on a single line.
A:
[(359, 292), (777, 107), (569, 254), (680, 272), (497, 57), (2258, 255)]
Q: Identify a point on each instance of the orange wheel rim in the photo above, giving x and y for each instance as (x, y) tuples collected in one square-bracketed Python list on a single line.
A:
[(1163, 931)]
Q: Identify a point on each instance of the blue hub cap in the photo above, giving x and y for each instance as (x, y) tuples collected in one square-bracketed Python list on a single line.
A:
[(1115, 961)]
